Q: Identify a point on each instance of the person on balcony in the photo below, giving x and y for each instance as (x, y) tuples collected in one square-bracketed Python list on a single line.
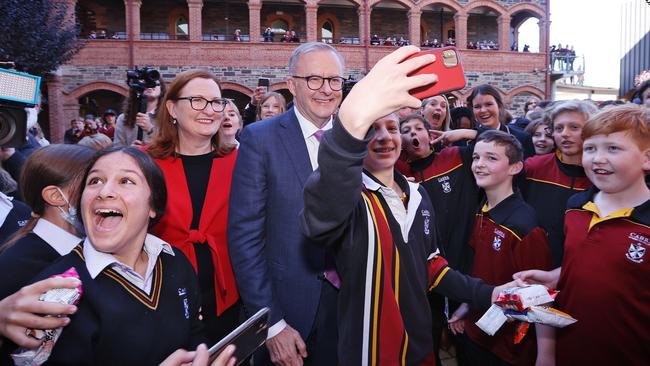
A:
[(294, 36), (237, 37), (268, 35)]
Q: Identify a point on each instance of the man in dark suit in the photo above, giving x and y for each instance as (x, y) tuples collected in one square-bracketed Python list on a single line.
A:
[(274, 264)]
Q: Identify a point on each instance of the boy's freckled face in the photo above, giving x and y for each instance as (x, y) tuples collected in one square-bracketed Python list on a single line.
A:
[(415, 139), (490, 165), (614, 162), (384, 148)]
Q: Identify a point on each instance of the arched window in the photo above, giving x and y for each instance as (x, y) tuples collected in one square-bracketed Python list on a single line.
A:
[(279, 27), (182, 28), (327, 32)]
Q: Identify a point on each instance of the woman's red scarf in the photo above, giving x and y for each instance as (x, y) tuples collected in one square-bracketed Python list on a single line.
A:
[(174, 227)]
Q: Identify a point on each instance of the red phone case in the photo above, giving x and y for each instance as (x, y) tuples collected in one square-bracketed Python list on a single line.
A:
[(447, 66)]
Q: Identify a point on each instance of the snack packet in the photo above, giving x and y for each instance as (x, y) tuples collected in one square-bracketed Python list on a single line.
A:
[(521, 298), (66, 296), (527, 304)]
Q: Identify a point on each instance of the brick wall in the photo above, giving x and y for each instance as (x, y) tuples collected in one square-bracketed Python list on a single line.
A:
[(482, 28), (109, 15), (432, 20), (389, 22), (508, 3), (294, 14), (77, 76), (348, 20), (154, 15), (214, 14), (516, 107)]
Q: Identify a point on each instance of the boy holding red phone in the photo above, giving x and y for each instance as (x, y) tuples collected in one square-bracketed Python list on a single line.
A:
[(380, 226)]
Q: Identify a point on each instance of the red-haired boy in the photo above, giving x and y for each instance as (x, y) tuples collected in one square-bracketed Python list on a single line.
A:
[(603, 280)]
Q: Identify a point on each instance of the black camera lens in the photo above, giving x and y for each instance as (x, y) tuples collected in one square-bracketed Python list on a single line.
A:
[(152, 74), (10, 119)]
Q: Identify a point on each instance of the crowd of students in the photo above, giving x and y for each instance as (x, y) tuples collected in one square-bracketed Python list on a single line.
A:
[(367, 231)]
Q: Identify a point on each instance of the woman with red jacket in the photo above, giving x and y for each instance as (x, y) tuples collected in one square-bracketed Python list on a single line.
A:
[(198, 173)]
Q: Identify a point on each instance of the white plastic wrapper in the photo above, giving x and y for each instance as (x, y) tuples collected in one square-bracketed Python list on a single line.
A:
[(38, 356), (524, 304)]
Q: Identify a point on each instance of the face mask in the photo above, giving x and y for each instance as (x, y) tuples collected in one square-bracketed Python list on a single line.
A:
[(32, 117), (71, 216)]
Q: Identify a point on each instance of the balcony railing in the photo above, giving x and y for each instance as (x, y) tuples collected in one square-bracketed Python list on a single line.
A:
[(226, 37), (161, 36)]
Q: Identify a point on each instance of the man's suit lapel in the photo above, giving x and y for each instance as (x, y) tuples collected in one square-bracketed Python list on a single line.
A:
[(295, 146)]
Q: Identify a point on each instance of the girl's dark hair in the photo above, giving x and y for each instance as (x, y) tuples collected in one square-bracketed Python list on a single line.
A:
[(458, 113), (150, 170), (486, 89), (61, 165), (132, 107)]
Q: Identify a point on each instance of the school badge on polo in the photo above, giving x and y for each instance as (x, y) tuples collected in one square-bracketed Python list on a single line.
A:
[(498, 237), (635, 252), (427, 219), (445, 184), (496, 243)]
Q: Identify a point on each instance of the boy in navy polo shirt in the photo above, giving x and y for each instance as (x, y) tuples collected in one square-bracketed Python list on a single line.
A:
[(603, 280), (506, 239)]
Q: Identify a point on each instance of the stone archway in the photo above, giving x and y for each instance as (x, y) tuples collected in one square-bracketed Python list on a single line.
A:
[(71, 99)]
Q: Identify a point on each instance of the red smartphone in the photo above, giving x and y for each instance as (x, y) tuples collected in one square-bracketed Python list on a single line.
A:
[(448, 68)]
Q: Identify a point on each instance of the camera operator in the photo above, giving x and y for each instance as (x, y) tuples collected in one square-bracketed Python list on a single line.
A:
[(126, 132), (14, 158)]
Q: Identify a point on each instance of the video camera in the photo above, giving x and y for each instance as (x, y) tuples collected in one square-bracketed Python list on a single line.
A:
[(141, 79), (17, 92), (138, 80)]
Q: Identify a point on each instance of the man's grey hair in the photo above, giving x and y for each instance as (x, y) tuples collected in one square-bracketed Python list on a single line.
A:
[(312, 47), (587, 109)]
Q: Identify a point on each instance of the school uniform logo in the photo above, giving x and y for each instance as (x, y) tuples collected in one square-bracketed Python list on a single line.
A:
[(182, 293), (445, 184), (427, 220), (635, 253), (498, 237), (637, 248)]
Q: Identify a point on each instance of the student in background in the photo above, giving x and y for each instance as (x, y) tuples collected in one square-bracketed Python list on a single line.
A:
[(542, 136), (489, 111), (230, 127), (552, 178), (50, 185)]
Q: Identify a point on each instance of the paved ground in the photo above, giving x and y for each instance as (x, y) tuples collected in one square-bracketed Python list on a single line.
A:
[(448, 357)]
